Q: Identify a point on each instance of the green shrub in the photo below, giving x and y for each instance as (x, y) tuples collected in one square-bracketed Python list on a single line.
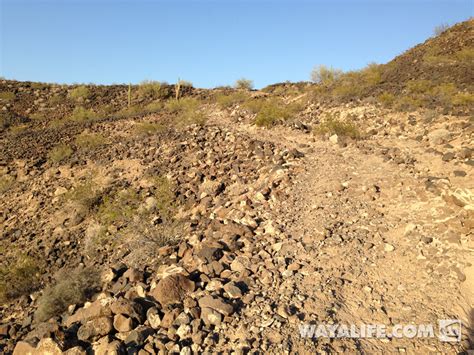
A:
[(386, 99), (254, 105), (118, 208), (226, 101), (148, 128), (408, 103), (71, 287), (60, 153), (244, 84), (463, 99), (325, 75), (465, 55), (6, 182), (86, 195), (153, 89), (55, 100), (90, 140), (273, 112), (81, 114), (332, 126), (163, 192), (18, 276), (7, 96), (179, 106), (418, 86), (79, 93)]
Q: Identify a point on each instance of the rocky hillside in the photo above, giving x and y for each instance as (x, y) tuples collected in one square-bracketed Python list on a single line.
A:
[(167, 219)]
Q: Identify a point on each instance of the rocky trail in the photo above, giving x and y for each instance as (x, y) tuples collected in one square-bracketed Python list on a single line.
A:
[(282, 230), (365, 242)]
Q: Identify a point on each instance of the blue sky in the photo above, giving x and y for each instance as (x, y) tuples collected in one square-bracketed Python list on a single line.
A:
[(209, 43)]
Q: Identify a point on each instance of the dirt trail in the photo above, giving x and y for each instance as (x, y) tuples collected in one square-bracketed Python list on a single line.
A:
[(372, 244)]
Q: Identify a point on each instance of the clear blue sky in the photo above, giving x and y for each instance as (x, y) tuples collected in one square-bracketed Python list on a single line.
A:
[(209, 42)]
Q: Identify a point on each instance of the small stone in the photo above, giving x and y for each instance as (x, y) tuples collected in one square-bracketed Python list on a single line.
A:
[(232, 290), (216, 304), (210, 316), (122, 323), (389, 247), (448, 156), (153, 317), (334, 139), (95, 328)]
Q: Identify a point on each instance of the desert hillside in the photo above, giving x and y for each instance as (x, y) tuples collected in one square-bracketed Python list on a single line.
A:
[(158, 218)]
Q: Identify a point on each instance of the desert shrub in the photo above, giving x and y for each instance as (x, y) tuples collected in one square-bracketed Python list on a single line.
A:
[(386, 99), (90, 140), (332, 126), (79, 93), (86, 195), (185, 84), (443, 94), (418, 86), (154, 106), (55, 100), (130, 111), (226, 101), (371, 74), (18, 128), (440, 29), (254, 105), (60, 153), (118, 208), (244, 84), (163, 192), (463, 99), (465, 55), (187, 110), (18, 276), (153, 89), (325, 75), (81, 114), (408, 103), (185, 104), (274, 111), (6, 182), (192, 117), (7, 96), (71, 287), (148, 128)]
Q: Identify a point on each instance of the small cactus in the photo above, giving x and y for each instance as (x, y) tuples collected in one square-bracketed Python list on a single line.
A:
[(129, 94), (177, 88)]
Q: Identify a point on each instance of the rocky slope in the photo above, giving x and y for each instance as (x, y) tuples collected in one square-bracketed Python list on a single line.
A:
[(138, 231)]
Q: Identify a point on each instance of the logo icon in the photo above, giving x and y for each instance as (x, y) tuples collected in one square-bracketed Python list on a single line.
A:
[(449, 330)]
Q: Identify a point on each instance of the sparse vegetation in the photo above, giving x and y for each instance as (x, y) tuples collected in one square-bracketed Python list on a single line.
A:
[(325, 75), (18, 276), (333, 126), (229, 100), (79, 93), (440, 29), (86, 195), (7, 96), (118, 208), (81, 114), (386, 99), (154, 89), (6, 182), (274, 111), (60, 153), (148, 128), (90, 140), (244, 84), (71, 287)]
